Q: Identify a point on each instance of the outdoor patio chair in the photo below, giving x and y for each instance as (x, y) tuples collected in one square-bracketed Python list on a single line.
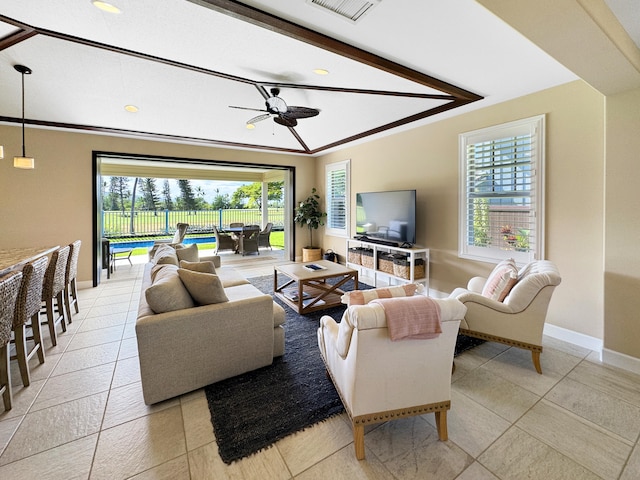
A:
[(224, 241), (264, 237), (178, 237), (248, 241)]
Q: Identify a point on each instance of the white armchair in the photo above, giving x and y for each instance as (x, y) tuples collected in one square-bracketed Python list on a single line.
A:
[(379, 380), (517, 321)]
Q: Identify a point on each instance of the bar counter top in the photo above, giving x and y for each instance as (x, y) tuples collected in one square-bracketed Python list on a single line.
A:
[(14, 258)]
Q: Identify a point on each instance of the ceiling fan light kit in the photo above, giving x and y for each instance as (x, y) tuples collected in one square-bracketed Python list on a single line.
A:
[(281, 113)]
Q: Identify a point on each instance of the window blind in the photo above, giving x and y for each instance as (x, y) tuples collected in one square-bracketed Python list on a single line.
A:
[(337, 180), (501, 191)]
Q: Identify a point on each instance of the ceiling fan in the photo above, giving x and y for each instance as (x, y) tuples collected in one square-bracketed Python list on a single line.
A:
[(282, 113)]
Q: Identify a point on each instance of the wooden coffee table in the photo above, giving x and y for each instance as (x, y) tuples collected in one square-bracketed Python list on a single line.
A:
[(307, 291)]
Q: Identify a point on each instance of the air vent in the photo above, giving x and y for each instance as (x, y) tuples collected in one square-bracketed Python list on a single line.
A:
[(350, 9)]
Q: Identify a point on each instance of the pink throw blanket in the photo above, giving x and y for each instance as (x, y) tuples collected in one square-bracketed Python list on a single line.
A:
[(411, 317)]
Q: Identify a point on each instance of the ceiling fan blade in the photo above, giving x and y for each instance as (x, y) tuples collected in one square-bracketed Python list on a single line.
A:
[(258, 118), (286, 121), (301, 112), (248, 108)]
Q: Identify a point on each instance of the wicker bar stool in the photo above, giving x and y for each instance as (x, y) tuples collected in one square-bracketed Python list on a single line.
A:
[(70, 291), (9, 286), (53, 291), (27, 310)]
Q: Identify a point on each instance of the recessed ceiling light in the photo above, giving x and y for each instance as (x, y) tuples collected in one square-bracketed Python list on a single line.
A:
[(105, 6), (321, 71), (131, 108), (250, 126)]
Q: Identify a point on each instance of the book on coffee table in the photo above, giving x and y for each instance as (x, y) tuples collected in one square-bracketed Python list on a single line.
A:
[(313, 267), (292, 294)]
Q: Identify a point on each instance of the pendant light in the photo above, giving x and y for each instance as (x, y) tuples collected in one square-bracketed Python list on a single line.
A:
[(23, 161)]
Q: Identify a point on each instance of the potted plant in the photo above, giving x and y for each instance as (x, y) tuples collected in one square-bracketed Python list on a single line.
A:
[(309, 214)]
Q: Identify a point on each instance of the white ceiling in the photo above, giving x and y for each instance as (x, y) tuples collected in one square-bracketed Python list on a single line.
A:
[(75, 84)]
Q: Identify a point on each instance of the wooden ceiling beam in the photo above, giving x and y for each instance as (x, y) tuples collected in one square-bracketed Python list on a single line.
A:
[(284, 27)]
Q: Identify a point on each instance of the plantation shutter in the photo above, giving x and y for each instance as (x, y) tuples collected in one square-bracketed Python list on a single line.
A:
[(502, 191), (337, 177)]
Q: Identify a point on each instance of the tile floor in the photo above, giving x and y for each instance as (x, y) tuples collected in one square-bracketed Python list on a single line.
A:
[(83, 416)]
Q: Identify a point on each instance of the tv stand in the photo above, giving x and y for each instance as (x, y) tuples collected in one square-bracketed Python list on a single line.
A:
[(378, 241), (373, 267)]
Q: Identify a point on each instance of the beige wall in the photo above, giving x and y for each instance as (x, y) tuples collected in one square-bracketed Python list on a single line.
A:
[(622, 240), (426, 159), (52, 204)]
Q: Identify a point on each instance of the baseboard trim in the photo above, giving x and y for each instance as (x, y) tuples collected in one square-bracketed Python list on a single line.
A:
[(621, 360), (576, 338), (606, 356)]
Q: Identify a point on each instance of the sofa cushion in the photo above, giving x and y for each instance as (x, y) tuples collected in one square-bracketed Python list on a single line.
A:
[(162, 270), (501, 280), (204, 288), (362, 297), (168, 293), (165, 255), (190, 253), (230, 277), (202, 267)]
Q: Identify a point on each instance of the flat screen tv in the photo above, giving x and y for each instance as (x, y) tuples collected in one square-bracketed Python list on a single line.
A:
[(387, 216)]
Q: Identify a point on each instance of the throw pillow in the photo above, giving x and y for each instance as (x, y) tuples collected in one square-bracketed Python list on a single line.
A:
[(204, 288), (362, 297), (165, 255), (501, 280), (168, 294), (202, 267), (190, 253)]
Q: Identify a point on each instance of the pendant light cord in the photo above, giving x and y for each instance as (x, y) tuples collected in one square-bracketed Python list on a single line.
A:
[(23, 149)]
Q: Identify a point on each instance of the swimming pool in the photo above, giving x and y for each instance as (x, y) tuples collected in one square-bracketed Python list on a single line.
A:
[(149, 243)]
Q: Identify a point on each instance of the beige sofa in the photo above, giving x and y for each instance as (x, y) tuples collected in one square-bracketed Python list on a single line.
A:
[(188, 348)]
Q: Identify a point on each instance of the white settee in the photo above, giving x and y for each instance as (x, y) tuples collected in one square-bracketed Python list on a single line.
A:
[(188, 348), (379, 379), (518, 320)]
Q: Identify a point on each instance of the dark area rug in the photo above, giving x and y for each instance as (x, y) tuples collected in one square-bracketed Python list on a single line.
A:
[(252, 411)]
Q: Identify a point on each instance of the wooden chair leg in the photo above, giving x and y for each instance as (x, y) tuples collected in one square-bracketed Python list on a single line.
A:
[(21, 354), (37, 336), (51, 322), (441, 425), (61, 311), (74, 295), (5, 377), (536, 361), (67, 302), (358, 440)]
